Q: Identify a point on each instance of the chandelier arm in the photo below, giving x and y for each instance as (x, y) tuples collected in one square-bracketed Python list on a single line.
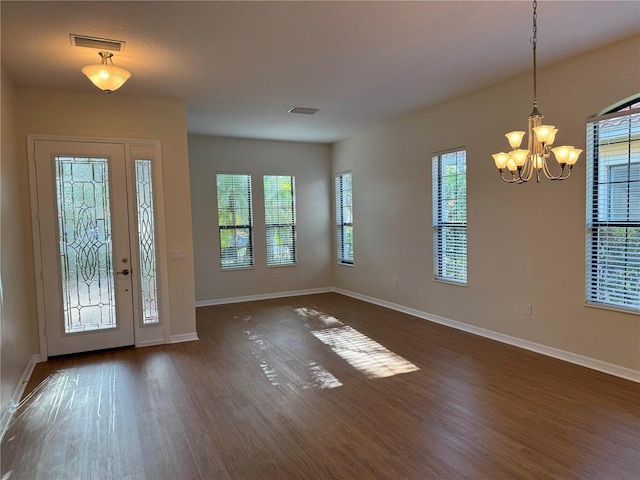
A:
[(527, 171), (551, 176), (511, 180), (568, 174), (522, 178)]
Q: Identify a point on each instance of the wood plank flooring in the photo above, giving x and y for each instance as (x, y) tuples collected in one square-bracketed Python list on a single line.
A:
[(304, 388)]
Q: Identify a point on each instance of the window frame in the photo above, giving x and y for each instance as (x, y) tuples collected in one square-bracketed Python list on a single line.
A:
[(343, 226), (441, 226), (602, 213), (291, 225), (244, 226)]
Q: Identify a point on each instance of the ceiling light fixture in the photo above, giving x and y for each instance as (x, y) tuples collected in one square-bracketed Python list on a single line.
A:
[(523, 163), (105, 75)]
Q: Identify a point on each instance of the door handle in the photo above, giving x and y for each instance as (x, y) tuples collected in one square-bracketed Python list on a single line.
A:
[(123, 272)]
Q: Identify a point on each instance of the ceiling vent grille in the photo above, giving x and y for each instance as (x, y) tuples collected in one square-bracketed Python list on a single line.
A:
[(98, 43), (304, 110)]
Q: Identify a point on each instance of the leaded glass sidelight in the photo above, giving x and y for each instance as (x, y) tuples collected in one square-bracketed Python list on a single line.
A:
[(84, 229), (146, 241)]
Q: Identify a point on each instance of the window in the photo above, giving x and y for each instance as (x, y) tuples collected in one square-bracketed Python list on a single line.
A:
[(344, 218), (280, 219), (450, 216), (234, 220), (613, 208)]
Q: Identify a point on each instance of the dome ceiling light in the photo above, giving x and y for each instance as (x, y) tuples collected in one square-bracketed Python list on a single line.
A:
[(105, 75)]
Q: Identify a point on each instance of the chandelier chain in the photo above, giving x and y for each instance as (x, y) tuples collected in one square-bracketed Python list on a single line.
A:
[(534, 39), (534, 43)]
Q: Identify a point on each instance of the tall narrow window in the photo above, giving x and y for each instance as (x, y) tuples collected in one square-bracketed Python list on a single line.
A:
[(235, 220), (450, 216), (147, 241), (344, 218), (280, 219), (613, 208)]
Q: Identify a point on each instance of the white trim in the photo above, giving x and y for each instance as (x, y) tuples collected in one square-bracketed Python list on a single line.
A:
[(592, 363), (264, 296), (37, 253), (14, 402), (149, 343), (184, 337)]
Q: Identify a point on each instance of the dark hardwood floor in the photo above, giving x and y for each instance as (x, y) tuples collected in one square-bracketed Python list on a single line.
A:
[(323, 387)]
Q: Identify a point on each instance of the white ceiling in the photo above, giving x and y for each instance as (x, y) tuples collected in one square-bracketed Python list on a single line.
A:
[(239, 66)]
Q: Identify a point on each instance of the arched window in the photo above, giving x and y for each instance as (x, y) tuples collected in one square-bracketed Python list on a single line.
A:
[(613, 208)]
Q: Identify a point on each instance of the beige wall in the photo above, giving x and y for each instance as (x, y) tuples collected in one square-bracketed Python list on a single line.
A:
[(119, 116), (526, 244), (18, 299), (311, 166)]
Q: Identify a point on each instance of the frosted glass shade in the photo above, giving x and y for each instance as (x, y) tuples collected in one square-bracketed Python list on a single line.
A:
[(511, 165), (520, 156), (107, 77), (501, 159), (515, 138), (573, 156), (544, 133), (538, 162), (562, 153)]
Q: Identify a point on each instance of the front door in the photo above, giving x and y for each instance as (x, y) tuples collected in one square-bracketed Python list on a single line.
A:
[(85, 245)]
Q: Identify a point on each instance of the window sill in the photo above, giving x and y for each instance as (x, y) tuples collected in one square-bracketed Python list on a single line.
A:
[(235, 269), (451, 282), (604, 306)]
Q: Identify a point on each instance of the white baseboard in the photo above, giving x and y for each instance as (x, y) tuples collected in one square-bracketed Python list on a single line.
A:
[(594, 364), (184, 337), (7, 415), (149, 343), (264, 296)]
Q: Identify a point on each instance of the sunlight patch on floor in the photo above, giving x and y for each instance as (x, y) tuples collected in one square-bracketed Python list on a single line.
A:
[(260, 351), (318, 318), (322, 378), (363, 353)]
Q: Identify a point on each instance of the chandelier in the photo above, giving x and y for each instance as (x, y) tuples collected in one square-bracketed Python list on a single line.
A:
[(105, 75), (522, 163)]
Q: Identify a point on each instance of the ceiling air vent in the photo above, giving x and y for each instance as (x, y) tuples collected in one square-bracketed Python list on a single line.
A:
[(304, 110), (98, 43)]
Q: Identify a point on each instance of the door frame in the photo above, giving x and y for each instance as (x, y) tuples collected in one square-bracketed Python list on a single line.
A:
[(143, 335)]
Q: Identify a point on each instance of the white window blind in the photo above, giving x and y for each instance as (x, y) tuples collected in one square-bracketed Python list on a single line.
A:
[(235, 220), (450, 216), (344, 218), (280, 219), (613, 209)]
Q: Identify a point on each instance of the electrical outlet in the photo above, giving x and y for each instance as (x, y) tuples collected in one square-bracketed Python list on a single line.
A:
[(395, 281), (527, 309)]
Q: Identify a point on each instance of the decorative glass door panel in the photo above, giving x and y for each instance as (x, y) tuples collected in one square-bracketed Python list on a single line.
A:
[(84, 229), (146, 241)]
